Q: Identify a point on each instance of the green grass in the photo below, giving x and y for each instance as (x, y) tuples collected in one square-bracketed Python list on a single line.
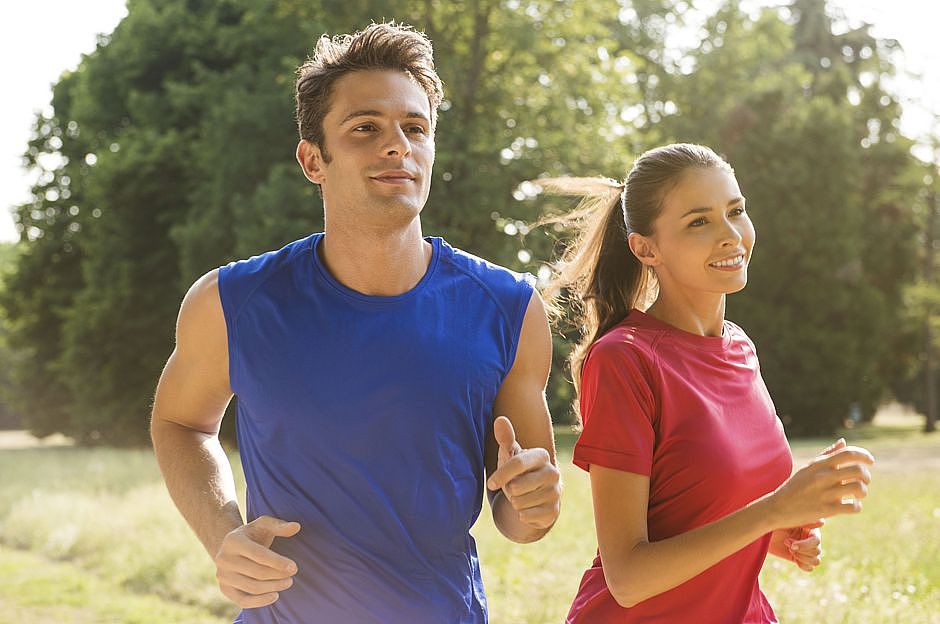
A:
[(40, 591), (91, 536), (106, 513)]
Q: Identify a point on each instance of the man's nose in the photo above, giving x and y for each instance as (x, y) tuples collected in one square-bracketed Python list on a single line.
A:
[(397, 143)]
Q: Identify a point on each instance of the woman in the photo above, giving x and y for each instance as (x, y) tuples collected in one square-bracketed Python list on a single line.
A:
[(689, 465)]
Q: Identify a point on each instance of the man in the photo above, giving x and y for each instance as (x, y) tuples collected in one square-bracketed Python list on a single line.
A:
[(369, 363)]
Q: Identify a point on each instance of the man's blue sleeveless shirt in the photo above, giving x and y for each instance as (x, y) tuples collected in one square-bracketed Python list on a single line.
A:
[(363, 418)]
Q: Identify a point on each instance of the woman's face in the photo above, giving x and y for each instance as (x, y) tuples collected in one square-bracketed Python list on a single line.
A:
[(702, 240)]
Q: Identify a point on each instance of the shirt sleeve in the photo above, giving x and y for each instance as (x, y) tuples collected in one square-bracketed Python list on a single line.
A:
[(617, 410)]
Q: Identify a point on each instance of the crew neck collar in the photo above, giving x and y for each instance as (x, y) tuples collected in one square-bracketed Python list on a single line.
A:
[(436, 249), (709, 343)]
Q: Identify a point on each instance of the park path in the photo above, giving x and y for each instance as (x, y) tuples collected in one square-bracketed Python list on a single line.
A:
[(11, 440)]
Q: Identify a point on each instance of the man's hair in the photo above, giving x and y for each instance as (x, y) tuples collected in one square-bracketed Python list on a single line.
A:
[(379, 46)]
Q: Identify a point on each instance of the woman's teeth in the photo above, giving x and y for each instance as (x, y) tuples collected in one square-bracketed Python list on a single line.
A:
[(729, 262)]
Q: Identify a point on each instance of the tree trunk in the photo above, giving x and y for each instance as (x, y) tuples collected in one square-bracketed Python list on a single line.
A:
[(929, 265)]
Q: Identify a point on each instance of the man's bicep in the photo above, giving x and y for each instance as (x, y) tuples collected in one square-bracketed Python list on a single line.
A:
[(194, 387), (521, 398)]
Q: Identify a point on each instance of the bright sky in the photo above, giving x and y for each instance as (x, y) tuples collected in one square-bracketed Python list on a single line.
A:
[(39, 39)]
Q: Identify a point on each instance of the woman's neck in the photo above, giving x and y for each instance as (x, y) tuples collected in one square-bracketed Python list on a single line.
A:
[(703, 316)]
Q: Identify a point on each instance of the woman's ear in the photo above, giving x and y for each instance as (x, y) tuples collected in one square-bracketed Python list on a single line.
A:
[(644, 249)]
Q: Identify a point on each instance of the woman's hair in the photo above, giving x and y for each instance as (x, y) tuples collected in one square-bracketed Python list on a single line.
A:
[(602, 277)]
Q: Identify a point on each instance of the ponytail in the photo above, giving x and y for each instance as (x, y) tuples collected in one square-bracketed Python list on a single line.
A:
[(602, 278)]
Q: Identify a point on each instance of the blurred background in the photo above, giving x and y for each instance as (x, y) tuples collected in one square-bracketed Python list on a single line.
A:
[(166, 149)]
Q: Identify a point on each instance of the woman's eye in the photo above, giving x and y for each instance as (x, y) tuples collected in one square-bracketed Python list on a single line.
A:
[(737, 211), (698, 222)]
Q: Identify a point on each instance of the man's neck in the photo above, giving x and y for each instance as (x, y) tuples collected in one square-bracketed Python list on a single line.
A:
[(378, 262)]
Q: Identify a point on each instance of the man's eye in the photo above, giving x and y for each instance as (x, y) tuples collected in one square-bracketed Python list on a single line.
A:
[(737, 211), (417, 130), (364, 128)]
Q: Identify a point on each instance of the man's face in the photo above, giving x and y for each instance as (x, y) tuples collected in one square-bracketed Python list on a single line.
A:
[(380, 144)]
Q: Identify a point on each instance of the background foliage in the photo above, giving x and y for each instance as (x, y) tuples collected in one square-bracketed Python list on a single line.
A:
[(170, 152), (8, 418)]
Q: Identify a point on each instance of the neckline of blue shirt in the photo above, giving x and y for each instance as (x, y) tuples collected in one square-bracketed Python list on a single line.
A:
[(437, 247)]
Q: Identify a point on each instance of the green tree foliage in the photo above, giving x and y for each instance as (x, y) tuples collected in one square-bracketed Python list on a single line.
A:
[(9, 419), (47, 276), (177, 138), (800, 292), (168, 131), (170, 152), (533, 89), (802, 115), (921, 385)]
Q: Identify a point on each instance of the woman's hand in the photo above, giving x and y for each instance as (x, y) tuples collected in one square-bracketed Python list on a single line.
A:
[(801, 545), (833, 483)]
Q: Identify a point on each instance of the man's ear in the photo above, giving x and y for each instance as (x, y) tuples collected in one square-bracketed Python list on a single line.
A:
[(310, 159), (644, 249)]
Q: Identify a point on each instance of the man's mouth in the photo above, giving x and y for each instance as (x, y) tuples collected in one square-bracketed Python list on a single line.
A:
[(394, 177)]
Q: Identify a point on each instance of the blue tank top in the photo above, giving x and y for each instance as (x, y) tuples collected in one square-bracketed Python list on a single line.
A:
[(363, 418)]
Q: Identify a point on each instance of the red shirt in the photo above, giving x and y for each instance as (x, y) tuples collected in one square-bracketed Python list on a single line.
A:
[(693, 414)]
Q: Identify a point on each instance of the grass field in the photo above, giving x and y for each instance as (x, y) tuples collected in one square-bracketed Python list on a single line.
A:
[(90, 536)]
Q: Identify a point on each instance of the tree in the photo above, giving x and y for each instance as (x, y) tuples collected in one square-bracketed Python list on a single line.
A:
[(9, 419), (932, 322), (922, 302), (170, 151), (45, 277), (150, 136), (811, 133)]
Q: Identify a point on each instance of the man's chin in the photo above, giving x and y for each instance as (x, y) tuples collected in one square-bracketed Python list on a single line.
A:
[(397, 211), (402, 203)]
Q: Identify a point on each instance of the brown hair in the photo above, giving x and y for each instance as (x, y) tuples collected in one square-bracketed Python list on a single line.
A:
[(603, 278), (379, 46)]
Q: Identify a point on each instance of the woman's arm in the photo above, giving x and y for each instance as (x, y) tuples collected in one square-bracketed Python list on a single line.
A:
[(636, 569), (801, 545)]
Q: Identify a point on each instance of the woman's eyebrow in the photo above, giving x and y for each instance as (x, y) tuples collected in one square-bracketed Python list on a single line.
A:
[(701, 209)]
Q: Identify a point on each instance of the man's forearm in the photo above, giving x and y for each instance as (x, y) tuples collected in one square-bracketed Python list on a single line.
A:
[(507, 521), (199, 478)]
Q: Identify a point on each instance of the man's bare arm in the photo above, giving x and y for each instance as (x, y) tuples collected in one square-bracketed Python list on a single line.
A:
[(191, 398), (520, 450)]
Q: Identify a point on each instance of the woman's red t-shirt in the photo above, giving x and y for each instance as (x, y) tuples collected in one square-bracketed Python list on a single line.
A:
[(693, 414)]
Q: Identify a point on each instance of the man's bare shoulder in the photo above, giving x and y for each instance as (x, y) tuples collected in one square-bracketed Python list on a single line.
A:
[(201, 320), (194, 387), (534, 353), (206, 287)]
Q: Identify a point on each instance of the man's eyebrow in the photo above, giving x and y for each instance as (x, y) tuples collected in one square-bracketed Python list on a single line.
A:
[(736, 200), (375, 113), (360, 113), (417, 115)]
